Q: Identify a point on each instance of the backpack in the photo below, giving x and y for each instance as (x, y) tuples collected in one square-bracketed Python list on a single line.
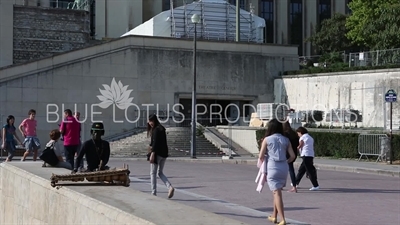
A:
[(49, 156)]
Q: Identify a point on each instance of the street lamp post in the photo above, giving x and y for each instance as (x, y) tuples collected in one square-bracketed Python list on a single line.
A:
[(195, 20)]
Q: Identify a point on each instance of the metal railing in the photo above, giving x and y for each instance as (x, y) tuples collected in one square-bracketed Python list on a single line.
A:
[(323, 60), (75, 5), (375, 58), (373, 145), (309, 60)]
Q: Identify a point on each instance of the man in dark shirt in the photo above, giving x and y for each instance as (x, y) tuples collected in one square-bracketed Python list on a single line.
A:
[(96, 150)]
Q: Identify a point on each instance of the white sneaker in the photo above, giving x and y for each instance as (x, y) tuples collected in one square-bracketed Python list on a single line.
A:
[(314, 188), (291, 184)]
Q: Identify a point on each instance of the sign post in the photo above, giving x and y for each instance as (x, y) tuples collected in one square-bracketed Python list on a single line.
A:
[(391, 97)]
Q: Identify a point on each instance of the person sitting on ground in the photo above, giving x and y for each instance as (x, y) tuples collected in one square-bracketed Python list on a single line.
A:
[(95, 150), (52, 156)]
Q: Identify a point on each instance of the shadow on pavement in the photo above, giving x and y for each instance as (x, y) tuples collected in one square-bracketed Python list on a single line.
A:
[(269, 209), (357, 190), (241, 215), (193, 187)]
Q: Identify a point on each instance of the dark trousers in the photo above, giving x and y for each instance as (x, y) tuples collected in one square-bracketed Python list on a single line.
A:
[(69, 152), (307, 166), (82, 161), (292, 174)]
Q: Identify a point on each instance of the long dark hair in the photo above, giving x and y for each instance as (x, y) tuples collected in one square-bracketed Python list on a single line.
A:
[(288, 131), (274, 127), (291, 134), (153, 118), (10, 117)]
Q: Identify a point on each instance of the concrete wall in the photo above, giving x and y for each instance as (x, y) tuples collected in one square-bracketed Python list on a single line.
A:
[(43, 32), (243, 136), (150, 9), (27, 197), (157, 70), (360, 90), (6, 32), (130, 15)]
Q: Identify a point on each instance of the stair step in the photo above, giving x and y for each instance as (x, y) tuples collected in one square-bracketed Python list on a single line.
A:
[(178, 139)]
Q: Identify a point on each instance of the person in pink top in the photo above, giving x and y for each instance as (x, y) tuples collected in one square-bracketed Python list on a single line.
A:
[(70, 129), (28, 131)]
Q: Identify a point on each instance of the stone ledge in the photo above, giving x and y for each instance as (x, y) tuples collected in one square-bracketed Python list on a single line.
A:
[(87, 203)]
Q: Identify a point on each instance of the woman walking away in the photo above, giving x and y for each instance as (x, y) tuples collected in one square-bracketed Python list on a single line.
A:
[(274, 148), (8, 134), (294, 141), (306, 148), (158, 154)]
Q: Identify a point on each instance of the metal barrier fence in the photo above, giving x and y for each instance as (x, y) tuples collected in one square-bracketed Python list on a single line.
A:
[(373, 145), (375, 58)]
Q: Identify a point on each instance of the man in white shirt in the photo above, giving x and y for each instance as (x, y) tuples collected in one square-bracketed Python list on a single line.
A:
[(306, 149)]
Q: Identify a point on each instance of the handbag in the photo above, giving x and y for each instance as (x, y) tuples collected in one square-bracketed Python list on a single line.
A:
[(49, 156)]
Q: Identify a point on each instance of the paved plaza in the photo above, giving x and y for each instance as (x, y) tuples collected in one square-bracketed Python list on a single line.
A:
[(229, 189)]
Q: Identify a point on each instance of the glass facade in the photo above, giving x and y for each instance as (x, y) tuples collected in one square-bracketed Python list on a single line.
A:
[(242, 3), (267, 12), (324, 10), (296, 23)]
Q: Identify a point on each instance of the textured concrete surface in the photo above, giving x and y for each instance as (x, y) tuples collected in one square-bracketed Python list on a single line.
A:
[(86, 203), (128, 65), (229, 189), (358, 90), (43, 32), (323, 164)]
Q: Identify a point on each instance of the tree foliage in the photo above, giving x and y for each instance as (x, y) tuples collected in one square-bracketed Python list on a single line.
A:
[(365, 13), (331, 36), (385, 30)]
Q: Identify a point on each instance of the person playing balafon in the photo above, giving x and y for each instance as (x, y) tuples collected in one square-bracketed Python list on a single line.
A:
[(96, 150)]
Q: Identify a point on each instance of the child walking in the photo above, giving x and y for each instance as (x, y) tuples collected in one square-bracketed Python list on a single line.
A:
[(28, 131), (8, 137)]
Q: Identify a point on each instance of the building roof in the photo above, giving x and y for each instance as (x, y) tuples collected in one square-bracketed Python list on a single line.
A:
[(218, 22)]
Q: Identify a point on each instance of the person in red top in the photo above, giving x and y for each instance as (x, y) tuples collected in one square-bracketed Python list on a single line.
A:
[(70, 129)]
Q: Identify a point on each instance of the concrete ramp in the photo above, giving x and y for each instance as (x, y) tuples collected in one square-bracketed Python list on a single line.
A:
[(28, 198)]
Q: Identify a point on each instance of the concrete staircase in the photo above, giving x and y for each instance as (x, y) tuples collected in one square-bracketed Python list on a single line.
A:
[(131, 146), (228, 143), (178, 139)]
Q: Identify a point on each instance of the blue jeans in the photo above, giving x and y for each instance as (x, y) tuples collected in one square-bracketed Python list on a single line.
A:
[(31, 143), (82, 161), (10, 147), (65, 165), (69, 152), (158, 169)]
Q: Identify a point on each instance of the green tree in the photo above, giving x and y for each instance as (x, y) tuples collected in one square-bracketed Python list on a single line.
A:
[(331, 35), (385, 30), (365, 13)]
